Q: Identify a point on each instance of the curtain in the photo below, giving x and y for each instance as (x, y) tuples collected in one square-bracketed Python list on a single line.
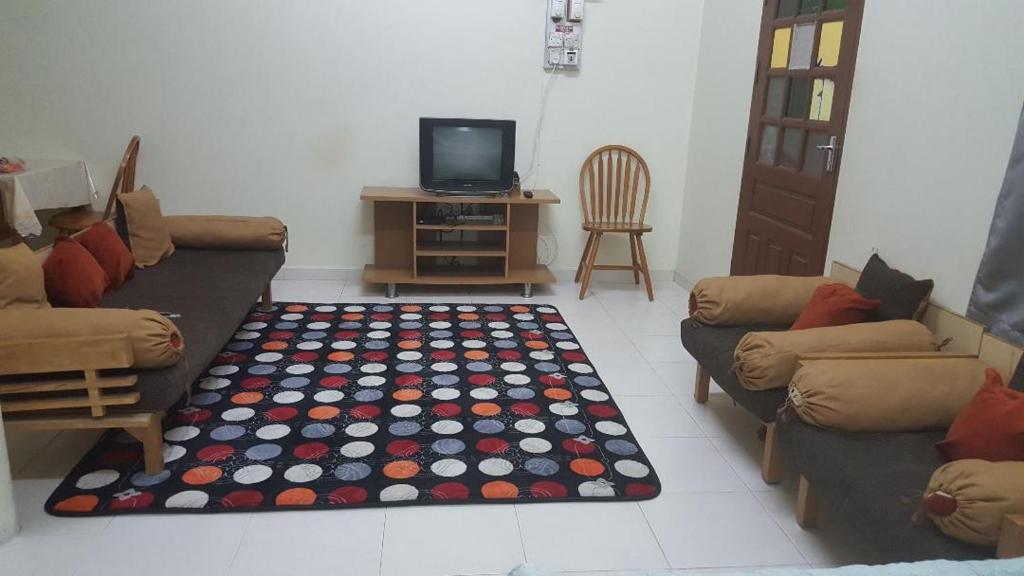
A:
[(998, 297)]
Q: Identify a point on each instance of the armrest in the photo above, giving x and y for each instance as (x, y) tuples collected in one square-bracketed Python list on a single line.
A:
[(65, 354), (809, 356), (1011, 539)]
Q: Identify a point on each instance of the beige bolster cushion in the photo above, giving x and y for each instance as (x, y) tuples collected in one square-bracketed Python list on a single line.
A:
[(885, 395), (156, 341), (766, 360), (968, 499), (765, 299), (227, 232)]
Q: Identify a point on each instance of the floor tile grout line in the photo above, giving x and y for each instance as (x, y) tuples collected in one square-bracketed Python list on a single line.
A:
[(783, 530), (383, 537), (238, 547), (654, 534), (519, 526)]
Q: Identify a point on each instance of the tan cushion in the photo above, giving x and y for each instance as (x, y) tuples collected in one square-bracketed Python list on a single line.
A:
[(226, 232), (968, 499), (147, 232), (765, 299), (156, 341), (766, 360), (21, 279), (885, 395)]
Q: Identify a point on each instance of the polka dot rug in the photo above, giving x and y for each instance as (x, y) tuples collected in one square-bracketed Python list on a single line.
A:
[(341, 406)]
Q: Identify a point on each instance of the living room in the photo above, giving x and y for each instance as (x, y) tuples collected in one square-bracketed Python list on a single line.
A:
[(412, 276)]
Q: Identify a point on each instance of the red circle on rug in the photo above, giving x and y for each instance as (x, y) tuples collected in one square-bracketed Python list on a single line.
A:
[(574, 356), (215, 453), (254, 383), (447, 409), (481, 379), (311, 450), (409, 380), (492, 445), (509, 355), (495, 317), (305, 356), (334, 382), (321, 317), (442, 355), (348, 495), (260, 316), (410, 334), (381, 316), (281, 413), (193, 416), (602, 411), (375, 356), (242, 499), (531, 335), (525, 409), (346, 335), (138, 501), (229, 358), (550, 317), (553, 380), (548, 489), (365, 411), (439, 316), (471, 334), (640, 490), (450, 491), (404, 448), (281, 335), (574, 446)]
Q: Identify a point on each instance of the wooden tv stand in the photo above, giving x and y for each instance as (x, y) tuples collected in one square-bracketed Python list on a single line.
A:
[(408, 252)]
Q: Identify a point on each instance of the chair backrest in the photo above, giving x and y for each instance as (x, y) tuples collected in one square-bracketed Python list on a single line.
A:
[(124, 181), (614, 186)]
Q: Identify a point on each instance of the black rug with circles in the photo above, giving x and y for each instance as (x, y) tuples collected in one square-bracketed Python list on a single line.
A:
[(340, 406)]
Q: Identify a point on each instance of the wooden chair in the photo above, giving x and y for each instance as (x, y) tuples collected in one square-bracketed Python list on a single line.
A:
[(614, 187), (77, 219)]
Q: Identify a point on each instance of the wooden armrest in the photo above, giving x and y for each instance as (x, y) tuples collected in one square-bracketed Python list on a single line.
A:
[(881, 356), (65, 354), (1011, 540)]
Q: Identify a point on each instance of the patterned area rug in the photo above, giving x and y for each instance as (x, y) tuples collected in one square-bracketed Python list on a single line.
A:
[(340, 406)]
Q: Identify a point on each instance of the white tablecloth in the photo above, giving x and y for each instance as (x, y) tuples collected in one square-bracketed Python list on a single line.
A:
[(44, 184)]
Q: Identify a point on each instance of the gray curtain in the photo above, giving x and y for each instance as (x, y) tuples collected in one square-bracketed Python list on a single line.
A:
[(998, 296)]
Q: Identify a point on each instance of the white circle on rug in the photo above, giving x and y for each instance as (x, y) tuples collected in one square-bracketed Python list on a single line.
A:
[(343, 345), (326, 308), (373, 368), (501, 334), (272, 431), (513, 366), (473, 344), (447, 427), (484, 393), (188, 499), (440, 325), (289, 397), (371, 381), (411, 316), (523, 316), (379, 325), (594, 395), (357, 449), (406, 411), (556, 326), (596, 489), (223, 370), (580, 368), (268, 357), (291, 316), (442, 344), (299, 369), (466, 308), (530, 426), (440, 308), (302, 473), (173, 452), (237, 414), (318, 325), (517, 379), (448, 468), (535, 445), (632, 468), (378, 334), (252, 474), (214, 383), (409, 355), (564, 408), (399, 492), (181, 433), (361, 429), (498, 325), (444, 367), (246, 335), (566, 345), (97, 479), (445, 394), (542, 355), (496, 467), (355, 308), (329, 396), (610, 428), (254, 325), (309, 345)]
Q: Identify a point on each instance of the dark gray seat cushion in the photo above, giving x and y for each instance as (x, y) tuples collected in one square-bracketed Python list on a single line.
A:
[(875, 483), (713, 347), (212, 290)]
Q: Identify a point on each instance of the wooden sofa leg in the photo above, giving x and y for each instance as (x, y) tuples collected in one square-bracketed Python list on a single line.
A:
[(1011, 540), (152, 438), (806, 504), (267, 300), (771, 462), (702, 385)]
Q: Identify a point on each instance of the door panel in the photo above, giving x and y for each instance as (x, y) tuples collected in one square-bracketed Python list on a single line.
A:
[(806, 57)]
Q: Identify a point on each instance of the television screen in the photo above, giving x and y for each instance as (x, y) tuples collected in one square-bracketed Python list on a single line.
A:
[(467, 153)]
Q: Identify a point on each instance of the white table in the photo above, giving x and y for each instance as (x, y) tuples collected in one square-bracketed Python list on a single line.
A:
[(45, 184)]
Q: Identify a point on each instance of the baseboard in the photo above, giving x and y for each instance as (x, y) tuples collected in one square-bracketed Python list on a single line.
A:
[(325, 273), (682, 281), (564, 275)]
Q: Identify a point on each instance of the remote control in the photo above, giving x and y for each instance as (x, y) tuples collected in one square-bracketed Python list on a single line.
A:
[(528, 193)]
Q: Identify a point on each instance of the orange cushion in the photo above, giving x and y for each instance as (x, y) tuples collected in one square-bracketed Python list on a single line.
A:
[(834, 305), (990, 427), (109, 251), (74, 278)]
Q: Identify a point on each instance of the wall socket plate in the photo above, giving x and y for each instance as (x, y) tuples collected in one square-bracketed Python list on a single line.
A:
[(566, 38)]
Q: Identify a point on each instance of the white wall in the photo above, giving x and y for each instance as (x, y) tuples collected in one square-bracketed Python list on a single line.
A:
[(937, 94), (289, 108)]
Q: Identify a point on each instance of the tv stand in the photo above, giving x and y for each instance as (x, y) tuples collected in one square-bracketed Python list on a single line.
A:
[(407, 252)]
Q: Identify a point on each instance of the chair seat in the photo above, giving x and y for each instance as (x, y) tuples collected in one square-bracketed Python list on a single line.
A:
[(75, 220), (617, 227)]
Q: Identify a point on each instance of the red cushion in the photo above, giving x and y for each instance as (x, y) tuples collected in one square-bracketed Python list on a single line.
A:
[(73, 277), (991, 427), (834, 305), (109, 251)]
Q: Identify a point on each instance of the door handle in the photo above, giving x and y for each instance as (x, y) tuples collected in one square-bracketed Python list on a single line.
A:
[(830, 156)]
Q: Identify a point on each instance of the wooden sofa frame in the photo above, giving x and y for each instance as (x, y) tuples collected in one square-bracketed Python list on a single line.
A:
[(69, 391)]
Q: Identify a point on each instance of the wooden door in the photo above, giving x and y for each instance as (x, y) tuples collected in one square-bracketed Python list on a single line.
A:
[(805, 61)]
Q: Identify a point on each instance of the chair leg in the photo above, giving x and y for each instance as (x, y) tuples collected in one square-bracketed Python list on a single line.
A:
[(152, 438), (702, 385), (636, 260), (772, 469), (806, 504), (643, 266), (583, 257), (590, 265), (267, 300)]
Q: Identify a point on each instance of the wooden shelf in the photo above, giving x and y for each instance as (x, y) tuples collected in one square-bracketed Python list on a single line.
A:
[(463, 227), (460, 249), (458, 275), (389, 194)]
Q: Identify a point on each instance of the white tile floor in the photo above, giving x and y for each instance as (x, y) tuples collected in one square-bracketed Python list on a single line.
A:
[(714, 512)]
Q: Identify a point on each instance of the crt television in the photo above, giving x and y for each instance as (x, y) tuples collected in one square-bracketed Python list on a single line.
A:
[(467, 157)]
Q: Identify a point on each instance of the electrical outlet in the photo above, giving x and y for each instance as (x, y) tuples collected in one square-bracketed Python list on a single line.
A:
[(556, 40), (554, 56), (572, 58), (571, 41)]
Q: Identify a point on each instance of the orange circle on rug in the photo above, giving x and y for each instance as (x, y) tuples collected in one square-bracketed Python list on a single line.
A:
[(296, 497), (202, 475), (246, 398), (587, 467), (499, 490), (519, 309), (324, 412), (486, 409), (407, 395), (80, 503), (536, 344), (477, 355), (410, 344), (411, 308), (352, 317), (340, 356), (275, 345), (469, 316), (297, 308), (401, 469), (558, 393)]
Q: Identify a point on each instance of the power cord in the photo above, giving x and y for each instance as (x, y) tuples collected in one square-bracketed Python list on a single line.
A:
[(535, 153)]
